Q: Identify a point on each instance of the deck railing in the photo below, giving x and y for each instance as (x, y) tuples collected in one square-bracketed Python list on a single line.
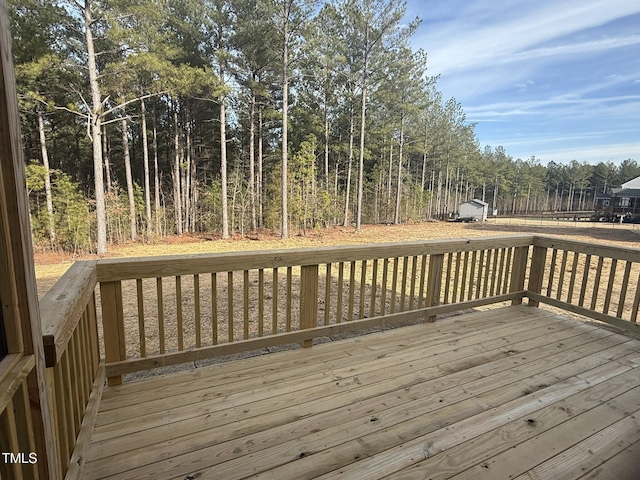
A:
[(191, 308), (163, 311), (75, 375), (16, 431), (598, 281)]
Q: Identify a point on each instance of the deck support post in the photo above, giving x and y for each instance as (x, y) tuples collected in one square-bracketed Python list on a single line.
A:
[(113, 325), (538, 261), (308, 300), (518, 272), (434, 282)]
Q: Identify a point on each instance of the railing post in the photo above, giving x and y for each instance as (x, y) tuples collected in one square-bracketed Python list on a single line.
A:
[(113, 325), (434, 282), (518, 272), (308, 300), (538, 262)]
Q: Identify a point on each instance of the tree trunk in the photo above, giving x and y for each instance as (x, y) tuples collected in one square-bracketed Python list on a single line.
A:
[(188, 178), (363, 112), (127, 169), (284, 232), (223, 167), (95, 116), (396, 216), (107, 160), (177, 202), (348, 189), (156, 183), (145, 157), (389, 175), (326, 143), (47, 180), (252, 160), (260, 177)]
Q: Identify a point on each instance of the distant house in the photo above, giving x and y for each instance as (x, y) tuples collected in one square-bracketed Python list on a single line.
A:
[(476, 209), (621, 202)]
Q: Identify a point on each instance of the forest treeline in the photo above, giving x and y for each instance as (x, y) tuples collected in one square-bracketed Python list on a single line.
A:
[(153, 117)]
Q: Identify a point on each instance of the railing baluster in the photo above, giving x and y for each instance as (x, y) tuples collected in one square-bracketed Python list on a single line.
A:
[(394, 286), (93, 332), (179, 313), (25, 436), (456, 279), (86, 352), (636, 302), (274, 312), (352, 286), (383, 287), (340, 288), (245, 305), (507, 269), (552, 272), (572, 279), (612, 279), (434, 282), (423, 277), (61, 413), (403, 287), (230, 305), (74, 391), (464, 280), (141, 331), (596, 285), (623, 289), (260, 302), (585, 278), (363, 287), (214, 308), (197, 313), (563, 269), (67, 386), (480, 274), (412, 291), (472, 274), (448, 278), (10, 442), (494, 279), (487, 270), (289, 297), (160, 303), (374, 288), (327, 294)]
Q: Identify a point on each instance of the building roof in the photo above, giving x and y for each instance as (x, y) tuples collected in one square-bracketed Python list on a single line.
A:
[(476, 202), (628, 192), (633, 184)]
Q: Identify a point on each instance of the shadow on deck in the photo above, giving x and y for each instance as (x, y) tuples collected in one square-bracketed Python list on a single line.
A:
[(516, 392)]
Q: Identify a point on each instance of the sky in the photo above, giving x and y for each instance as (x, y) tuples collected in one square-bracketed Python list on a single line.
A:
[(554, 79)]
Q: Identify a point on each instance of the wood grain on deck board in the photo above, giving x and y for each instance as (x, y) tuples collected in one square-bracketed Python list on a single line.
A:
[(457, 397)]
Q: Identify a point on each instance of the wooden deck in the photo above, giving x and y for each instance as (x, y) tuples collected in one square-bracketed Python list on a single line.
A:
[(516, 392)]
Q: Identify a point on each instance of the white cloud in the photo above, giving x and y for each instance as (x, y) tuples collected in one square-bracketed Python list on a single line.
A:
[(464, 43), (602, 153), (564, 104)]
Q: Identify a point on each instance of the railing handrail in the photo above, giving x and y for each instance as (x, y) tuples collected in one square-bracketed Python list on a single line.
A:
[(62, 306), (609, 251), (117, 269)]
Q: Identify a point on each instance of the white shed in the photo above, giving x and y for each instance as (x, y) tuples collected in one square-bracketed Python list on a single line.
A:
[(476, 209)]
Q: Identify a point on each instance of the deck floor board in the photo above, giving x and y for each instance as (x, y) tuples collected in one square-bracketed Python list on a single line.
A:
[(514, 392)]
